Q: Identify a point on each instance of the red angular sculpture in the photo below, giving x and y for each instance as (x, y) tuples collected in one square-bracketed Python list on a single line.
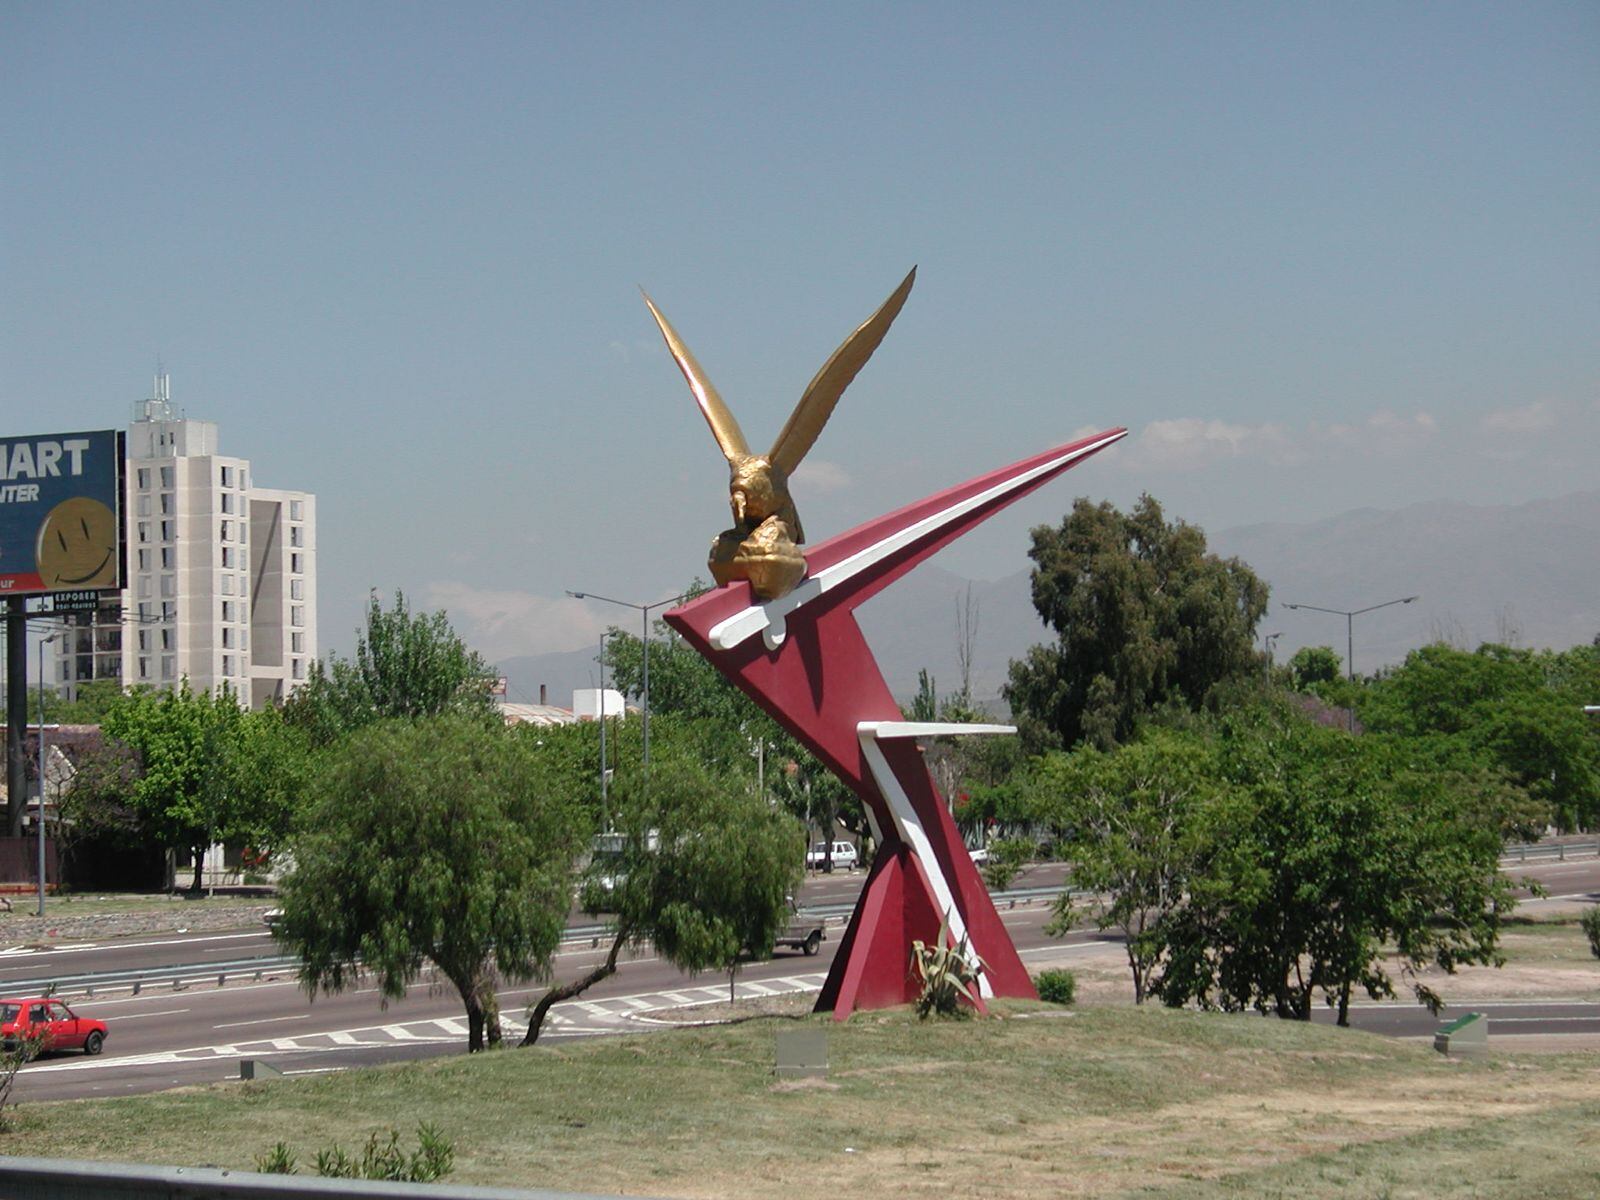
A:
[(802, 658)]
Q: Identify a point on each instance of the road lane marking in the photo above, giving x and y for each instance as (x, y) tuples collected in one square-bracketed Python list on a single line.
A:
[(165, 1012), (261, 1021)]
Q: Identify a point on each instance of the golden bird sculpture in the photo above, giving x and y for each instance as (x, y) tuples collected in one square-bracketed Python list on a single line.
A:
[(762, 546)]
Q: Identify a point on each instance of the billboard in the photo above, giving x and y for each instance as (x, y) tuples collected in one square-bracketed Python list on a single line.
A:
[(61, 513)]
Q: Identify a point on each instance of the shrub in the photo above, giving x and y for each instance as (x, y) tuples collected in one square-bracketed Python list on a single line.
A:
[(947, 974), (1591, 926), (433, 1158), (1057, 986)]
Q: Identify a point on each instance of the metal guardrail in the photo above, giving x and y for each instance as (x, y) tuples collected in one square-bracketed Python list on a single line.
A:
[(1547, 852), (68, 1179), (181, 977)]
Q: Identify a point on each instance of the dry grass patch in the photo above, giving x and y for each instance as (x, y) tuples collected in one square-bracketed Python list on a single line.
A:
[(1109, 1101)]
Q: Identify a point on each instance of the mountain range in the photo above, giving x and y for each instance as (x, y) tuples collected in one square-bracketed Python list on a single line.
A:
[(1526, 574)]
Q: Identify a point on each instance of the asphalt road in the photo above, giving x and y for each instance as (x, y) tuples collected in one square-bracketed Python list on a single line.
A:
[(174, 1036)]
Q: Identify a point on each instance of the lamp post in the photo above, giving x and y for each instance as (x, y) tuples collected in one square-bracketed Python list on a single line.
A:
[(1350, 616), (43, 762), (644, 638)]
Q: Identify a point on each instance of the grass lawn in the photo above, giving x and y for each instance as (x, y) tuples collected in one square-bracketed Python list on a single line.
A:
[(1103, 1101)]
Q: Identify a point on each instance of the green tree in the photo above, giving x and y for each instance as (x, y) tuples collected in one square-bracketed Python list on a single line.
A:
[(1312, 665), (1133, 823), (438, 840), (1519, 711), (406, 665), (1144, 618), (704, 872), (692, 702), (206, 770), (1339, 847)]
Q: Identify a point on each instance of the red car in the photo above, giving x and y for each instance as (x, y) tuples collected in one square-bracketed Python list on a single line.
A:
[(56, 1025)]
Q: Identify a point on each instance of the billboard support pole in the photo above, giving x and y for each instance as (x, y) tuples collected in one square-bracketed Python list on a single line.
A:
[(16, 712)]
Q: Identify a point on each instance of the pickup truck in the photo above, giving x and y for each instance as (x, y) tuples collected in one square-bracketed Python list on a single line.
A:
[(802, 933)]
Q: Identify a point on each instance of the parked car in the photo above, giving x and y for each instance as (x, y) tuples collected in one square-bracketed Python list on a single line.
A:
[(55, 1025), (844, 855), (980, 855)]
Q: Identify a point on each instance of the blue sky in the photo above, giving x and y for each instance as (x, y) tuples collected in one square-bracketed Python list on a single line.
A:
[(1315, 257)]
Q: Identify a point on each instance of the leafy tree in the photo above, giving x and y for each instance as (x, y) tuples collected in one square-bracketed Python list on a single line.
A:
[(1341, 846), (207, 771), (1144, 618), (406, 665), (704, 874), (1133, 822), (691, 701), (1517, 711), (1312, 665), (95, 698), (437, 840)]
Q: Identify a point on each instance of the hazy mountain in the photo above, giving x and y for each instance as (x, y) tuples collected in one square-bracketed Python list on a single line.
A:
[(1527, 573)]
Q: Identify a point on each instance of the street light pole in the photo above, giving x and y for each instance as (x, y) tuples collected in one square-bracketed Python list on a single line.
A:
[(644, 639), (43, 764), (1350, 616)]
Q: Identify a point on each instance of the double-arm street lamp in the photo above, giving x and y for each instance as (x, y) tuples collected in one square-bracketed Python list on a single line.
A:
[(644, 632), (1350, 616)]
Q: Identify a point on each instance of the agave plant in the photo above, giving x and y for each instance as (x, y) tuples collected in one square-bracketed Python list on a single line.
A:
[(947, 974)]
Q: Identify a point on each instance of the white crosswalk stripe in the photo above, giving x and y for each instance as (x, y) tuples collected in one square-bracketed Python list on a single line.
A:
[(612, 1015)]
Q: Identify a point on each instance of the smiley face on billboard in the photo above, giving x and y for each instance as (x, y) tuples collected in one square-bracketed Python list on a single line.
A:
[(78, 545)]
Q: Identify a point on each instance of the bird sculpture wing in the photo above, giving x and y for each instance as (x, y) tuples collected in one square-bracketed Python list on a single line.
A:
[(723, 426), (825, 388)]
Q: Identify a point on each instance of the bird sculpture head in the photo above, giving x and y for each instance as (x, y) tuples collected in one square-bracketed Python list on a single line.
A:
[(761, 545)]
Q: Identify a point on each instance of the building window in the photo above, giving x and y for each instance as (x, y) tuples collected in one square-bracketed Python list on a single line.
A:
[(227, 529), (169, 667), (144, 560), (295, 566), (144, 611), (227, 502), (297, 589), (166, 640), (144, 585), (168, 558), (297, 615), (297, 643), (227, 558), (227, 610), (166, 477), (294, 536), (169, 585), (169, 610), (166, 504), (144, 668), (166, 531), (144, 531), (227, 585), (297, 668), (227, 477), (244, 480), (144, 479), (227, 637), (227, 664), (297, 510), (144, 506), (144, 639)]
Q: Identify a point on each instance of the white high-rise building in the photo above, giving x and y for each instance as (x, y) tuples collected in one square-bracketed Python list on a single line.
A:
[(222, 575)]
